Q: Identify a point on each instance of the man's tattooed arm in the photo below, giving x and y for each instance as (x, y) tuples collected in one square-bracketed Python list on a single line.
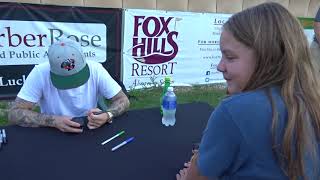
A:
[(21, 113), (120, 104)]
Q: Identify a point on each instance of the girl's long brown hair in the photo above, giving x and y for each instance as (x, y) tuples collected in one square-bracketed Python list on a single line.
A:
[(283, 58)]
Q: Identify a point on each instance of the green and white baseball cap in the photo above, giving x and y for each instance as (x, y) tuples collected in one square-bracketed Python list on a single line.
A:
[(68, 67)]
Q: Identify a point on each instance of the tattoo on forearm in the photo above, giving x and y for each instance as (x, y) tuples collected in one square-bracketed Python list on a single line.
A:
[(21, 113), (120, 103)]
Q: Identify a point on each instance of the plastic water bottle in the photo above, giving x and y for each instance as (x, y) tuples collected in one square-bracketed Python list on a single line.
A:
[(169, 105), (164, 91)]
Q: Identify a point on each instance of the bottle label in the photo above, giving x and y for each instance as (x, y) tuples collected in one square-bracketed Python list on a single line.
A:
[(169, 104)]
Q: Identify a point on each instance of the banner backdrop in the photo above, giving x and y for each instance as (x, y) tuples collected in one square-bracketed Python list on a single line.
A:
[(26, 32), (181, 45)]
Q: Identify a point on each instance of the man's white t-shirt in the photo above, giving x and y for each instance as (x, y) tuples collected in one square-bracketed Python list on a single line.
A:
[(38, 88)]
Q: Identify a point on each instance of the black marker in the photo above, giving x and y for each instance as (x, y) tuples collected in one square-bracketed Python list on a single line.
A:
[(100, 112)]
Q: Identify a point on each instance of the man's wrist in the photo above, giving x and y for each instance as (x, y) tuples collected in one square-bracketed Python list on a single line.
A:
[(51, 122), (110, 115)]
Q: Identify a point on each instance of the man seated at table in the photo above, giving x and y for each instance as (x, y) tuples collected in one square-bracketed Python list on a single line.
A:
[(65, 87)]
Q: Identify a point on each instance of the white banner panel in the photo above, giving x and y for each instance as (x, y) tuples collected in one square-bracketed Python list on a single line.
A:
[(182, 45), (27, 42)]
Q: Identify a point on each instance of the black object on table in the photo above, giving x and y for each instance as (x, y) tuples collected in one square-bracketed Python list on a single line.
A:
[(157, 152)]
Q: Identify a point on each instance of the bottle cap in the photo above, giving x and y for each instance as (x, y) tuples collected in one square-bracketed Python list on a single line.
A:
[(170, 88), (167, 79)]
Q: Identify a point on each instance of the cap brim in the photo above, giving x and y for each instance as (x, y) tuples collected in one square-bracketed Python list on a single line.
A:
[(73, 81)]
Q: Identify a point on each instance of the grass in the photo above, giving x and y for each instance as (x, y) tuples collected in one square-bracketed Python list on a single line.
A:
[(3, 121), (150, 97), (3, 107)]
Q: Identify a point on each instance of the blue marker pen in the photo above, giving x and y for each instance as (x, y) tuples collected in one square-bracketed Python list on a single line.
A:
[(122, 144)]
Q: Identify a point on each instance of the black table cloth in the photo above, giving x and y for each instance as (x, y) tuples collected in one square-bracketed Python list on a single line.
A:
[(157, 152)]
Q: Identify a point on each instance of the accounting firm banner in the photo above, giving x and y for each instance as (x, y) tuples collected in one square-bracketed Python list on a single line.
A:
[(181, 45), (27, 42), (28, 30)]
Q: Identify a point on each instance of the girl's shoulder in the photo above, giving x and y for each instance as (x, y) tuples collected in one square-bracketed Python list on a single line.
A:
[(255, 96)]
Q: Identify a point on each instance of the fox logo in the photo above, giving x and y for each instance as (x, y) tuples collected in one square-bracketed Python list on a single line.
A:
[(68, 64)]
